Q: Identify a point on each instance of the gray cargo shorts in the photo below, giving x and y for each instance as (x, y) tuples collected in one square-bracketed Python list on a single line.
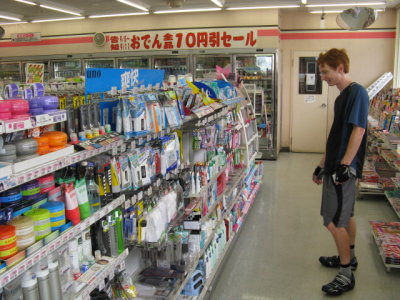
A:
[(338, 201)]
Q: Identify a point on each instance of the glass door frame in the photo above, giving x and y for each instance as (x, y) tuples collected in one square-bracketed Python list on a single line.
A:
[(118, 59), (227, 54), (59, 60)]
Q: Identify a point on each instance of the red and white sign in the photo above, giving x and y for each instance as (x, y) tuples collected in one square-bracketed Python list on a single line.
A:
[(185, 39), (25, 37)]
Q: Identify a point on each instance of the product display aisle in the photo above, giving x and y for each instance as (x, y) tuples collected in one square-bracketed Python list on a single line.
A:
[(276, 254), (173, 176)]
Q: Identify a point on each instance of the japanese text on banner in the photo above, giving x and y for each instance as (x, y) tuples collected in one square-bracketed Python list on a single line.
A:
[(183, 40)]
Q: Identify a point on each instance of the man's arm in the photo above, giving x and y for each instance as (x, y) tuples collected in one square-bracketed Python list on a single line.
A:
[(354, 144)]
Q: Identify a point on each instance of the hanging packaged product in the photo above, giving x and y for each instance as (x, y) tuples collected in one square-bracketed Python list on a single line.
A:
[(92, 189), (115, 176), (71, 203), (117, 215), (139, 167), (46, 183), (126, 175), (170, 153)]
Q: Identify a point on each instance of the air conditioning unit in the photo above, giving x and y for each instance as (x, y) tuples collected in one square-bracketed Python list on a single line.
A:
[(175, 3)]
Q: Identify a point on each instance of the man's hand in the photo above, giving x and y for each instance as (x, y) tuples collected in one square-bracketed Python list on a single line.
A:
[(317, 176), (342, 174)]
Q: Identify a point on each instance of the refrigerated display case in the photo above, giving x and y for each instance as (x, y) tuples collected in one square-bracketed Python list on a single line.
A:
[(133, 63), (207, 64), (172, 65), (258, 73), (10, 71), (99, 63), (67, 68)]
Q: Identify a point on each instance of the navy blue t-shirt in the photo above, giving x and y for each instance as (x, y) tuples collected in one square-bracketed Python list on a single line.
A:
[(351, 109)]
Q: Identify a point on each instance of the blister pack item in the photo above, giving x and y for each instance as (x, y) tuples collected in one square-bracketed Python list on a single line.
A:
[(170, 153)]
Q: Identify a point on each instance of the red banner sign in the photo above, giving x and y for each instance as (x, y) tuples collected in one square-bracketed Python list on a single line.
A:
[(176, 40)]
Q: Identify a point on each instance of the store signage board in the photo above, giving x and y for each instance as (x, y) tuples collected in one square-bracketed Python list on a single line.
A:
[(98, 80), (183, 39), (34, 73), (25, 37)]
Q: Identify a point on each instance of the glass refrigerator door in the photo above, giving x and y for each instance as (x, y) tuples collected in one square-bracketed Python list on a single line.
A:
[(206, 65), (99, 63), (173, 65), (67, 68), (133, 63), (10, 71), (257, 72)]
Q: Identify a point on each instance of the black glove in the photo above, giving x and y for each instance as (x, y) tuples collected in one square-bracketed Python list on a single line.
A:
[(342, 173), (319, 172)]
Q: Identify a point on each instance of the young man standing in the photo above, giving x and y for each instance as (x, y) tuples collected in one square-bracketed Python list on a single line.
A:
[(340, 167)]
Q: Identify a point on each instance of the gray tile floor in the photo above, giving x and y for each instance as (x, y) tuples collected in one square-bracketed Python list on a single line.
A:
[(276, 254)]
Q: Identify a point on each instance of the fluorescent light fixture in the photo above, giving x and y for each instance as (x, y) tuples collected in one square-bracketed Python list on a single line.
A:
[(55, 20), (137, 4), (118, 15), (26, 2), (346, 4), (187, 10), (10, 16), (262, 7), (303, 1), (326, 11), (11, 23), (219, 3), (60, 10)]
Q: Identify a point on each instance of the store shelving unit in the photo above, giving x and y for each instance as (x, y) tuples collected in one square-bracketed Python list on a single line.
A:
[(62, 239), (381, 253)]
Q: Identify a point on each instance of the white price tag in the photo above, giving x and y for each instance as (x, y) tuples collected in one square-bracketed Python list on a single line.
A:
[(127, 204)]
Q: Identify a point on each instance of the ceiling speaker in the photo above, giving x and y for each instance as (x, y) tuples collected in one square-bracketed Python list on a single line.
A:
[(99, 39), (2, 32)]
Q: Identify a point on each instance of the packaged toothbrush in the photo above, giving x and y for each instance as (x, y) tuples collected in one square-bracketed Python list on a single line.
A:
[(125, 174)]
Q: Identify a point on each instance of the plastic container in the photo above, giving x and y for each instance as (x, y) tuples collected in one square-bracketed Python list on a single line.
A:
[(26, 146), (5, 116), (10, 196), (43, 150), (19, 106), (5, 107), (53, 149), (56, 138), (45, 102), (57, 210), (41, 221), (25, 231), (36, 111), (42, 141), (9, 251), (8, 236), (30, 190), (8, 149), (46, 183)]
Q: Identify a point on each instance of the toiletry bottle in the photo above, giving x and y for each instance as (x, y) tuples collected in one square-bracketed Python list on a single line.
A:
[(73, 258), (54, 279), (29, 286), (92, 190), (81, 191), (42, 275)]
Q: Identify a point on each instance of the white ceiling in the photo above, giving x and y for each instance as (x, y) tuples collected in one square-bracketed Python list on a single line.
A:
[(96, 7)]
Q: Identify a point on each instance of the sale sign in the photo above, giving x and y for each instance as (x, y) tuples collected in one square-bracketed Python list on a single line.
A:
[(176, 40), (34, 73)]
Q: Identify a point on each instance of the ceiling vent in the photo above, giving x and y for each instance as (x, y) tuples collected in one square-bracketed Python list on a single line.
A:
[(175, 3), (99, 39)]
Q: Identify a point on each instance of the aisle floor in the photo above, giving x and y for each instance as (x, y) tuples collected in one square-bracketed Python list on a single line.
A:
[(276, 253)]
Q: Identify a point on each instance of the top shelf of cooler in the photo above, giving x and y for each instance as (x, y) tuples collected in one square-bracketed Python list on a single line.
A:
[(13, 125)]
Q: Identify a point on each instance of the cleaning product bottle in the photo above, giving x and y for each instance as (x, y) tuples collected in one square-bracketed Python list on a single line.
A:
[(117, 214), (81, 192), (29, 286), (92, 189)]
